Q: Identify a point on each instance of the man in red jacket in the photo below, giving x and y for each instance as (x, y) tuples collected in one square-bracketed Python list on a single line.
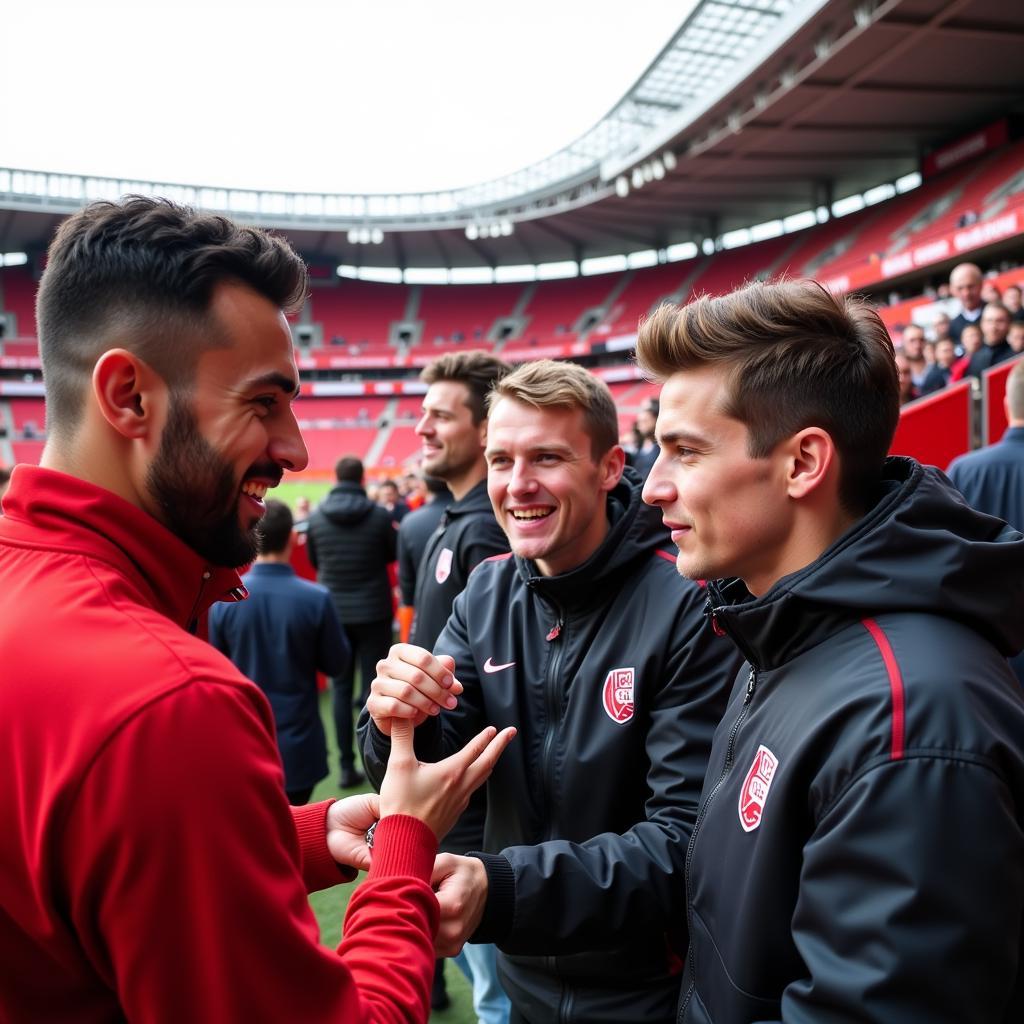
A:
[(150, 868)]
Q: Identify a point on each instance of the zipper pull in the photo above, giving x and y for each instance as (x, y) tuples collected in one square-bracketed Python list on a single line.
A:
[(554, 631), (751, 685)]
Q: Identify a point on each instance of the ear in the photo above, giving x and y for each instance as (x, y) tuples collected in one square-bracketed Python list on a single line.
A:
[(611, 466), (127, 392), (812, 461), (482, 432)]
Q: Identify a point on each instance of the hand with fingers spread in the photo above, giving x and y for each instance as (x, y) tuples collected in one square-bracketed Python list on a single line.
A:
[(461, 886), (437, 793), (411, 684), (347, 822)]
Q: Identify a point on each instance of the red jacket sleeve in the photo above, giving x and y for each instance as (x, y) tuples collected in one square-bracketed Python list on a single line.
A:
[(186, 880)]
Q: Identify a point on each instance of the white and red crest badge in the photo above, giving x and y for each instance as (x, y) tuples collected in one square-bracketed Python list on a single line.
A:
[(755, 788), (443, 569), (618, 695)]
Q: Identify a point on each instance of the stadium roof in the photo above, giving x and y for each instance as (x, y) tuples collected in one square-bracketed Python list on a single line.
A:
[(754, 111)]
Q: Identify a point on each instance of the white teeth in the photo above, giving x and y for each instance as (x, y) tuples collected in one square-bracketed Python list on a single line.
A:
[(254, 490), (532, 513)]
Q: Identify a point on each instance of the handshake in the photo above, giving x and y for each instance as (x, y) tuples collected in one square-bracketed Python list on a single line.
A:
[(436, 794)]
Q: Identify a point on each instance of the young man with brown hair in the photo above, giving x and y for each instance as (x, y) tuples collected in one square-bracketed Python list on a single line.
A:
[(859, 852), (589, 642)]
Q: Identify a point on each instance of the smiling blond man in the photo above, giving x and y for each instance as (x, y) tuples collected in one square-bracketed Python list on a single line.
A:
[(585, 639)]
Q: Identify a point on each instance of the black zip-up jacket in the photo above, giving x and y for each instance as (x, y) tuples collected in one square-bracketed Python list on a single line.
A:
[(859, 853), (467, 534), (350, 541), (615, 681)]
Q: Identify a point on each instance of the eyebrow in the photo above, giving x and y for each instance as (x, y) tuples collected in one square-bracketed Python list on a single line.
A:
[(682, 437), (561, 449), (274, 380)]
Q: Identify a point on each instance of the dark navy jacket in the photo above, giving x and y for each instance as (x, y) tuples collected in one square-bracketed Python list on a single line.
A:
[(615, 681), (859, 852), (992, 478), (280, 636)]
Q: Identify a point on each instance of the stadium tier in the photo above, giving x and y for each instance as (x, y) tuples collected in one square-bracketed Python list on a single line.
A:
[(359, 327), (358, 313), (464, 314)]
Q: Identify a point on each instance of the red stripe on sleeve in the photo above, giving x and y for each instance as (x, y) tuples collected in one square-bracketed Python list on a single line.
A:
[(895, 686)]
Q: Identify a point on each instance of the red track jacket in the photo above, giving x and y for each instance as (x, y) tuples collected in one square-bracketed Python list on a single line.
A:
[(150, 869)]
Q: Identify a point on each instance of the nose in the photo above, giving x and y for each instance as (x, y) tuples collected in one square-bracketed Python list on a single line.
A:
[(658, 489), (287, 448), (423, 427), (521, 480)]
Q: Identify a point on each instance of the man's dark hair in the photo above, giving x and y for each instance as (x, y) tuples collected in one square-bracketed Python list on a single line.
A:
[(796, 356), (477, 369), (349, 469), (140, 274), (274, 529)]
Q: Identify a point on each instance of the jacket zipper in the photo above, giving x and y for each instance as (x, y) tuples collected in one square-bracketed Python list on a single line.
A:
[(551, 703), (726, 766), (193, 616)]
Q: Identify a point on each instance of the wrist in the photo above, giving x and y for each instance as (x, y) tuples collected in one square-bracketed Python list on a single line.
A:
[(499, 898)]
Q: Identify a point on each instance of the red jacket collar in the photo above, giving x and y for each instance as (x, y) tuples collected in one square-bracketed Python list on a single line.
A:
[(45, 508)]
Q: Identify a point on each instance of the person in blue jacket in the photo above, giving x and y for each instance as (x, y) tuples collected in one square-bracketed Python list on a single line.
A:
[(280, 637)]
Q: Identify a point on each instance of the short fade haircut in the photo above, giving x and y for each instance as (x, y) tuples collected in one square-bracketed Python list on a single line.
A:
[(796, 356), (477, 369), (274, 529), (349, 469), (140, 273), (1015, 391), (545, 384)]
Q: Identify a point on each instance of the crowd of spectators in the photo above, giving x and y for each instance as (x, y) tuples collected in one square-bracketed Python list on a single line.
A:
[(973, 327)]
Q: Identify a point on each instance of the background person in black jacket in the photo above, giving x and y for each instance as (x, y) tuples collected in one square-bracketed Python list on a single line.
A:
[(859, 854), (587, 641), (351, 541), (453, 429)]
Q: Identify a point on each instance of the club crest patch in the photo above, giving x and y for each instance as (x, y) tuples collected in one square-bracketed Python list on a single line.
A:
[(755, 788), (618, 695), (443, 569)]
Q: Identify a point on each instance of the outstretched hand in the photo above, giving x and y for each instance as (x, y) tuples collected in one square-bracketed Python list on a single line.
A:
[(437, 793)]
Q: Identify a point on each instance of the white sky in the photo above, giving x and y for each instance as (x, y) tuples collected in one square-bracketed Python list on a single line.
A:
[(314, 95)]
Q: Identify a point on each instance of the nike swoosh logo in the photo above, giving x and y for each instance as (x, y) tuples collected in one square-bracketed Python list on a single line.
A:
[(489, 666)]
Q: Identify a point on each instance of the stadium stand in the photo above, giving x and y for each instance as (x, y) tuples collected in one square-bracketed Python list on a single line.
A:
[(645, 289), (575, 317), (18, 291), (358, 313), (463, 315), (555, 307)]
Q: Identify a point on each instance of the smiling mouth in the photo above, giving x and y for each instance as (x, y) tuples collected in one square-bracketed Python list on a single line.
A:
[(525, 515), (255, 490)]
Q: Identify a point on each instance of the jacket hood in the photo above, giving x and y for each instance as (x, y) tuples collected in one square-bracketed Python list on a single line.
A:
[(473, 501), (347, 504), (635, 531), (920, 548)]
